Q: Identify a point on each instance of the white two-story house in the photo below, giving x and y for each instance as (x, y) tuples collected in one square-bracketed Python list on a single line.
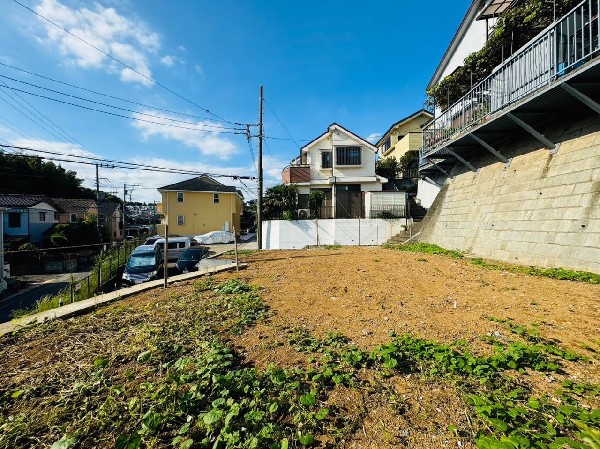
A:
[(341, 165)]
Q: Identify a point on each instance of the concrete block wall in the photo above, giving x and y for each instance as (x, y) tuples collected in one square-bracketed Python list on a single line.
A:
[(543, 209)]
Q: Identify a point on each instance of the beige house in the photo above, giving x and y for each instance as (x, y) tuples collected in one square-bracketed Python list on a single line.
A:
[(403, 136), (341, 165), (200, 205)]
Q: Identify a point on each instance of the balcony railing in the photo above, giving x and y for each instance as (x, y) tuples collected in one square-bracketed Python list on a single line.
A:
[(566, 44)]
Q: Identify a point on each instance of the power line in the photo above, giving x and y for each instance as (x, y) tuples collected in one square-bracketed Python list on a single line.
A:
[(282, 125), (125, 116), (47, 119), (125, 65), (105, 104), (121, 164), (111, 96)]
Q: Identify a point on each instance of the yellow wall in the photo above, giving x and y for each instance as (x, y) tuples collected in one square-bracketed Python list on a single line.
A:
[(411, 141), (411, 137), (200, 213)]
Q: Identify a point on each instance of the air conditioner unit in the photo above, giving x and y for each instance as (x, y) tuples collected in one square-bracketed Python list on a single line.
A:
[(303, 213)]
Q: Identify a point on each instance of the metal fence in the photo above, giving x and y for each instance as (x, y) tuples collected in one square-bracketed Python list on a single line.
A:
[(388, 212), (566, 44)]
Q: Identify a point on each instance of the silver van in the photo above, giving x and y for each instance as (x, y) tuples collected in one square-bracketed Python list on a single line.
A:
[(175, 246)]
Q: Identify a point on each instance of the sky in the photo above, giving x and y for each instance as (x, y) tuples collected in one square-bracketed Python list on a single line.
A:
[(173, 85)]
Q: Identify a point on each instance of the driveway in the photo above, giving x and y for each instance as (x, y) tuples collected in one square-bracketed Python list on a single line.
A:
[(40, 286)]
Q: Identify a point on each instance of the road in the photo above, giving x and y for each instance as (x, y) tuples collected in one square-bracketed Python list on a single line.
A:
[(42, 285), (39, 287)]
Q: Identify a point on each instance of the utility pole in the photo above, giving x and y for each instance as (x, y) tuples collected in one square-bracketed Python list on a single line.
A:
[(260, 172), (99, 235), (125, 192), (124, 209)]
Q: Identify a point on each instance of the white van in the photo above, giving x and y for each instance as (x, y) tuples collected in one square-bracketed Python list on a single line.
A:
[(176, 246)]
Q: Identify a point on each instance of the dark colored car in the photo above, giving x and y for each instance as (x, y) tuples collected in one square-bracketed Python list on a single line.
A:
[(144, 264), (190, 258)]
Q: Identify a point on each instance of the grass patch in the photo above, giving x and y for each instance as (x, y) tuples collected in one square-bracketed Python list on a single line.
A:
[(553, 273), (336, 246), (427, 248)]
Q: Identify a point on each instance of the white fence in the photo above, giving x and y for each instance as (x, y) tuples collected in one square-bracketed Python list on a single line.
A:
[(296, 234)]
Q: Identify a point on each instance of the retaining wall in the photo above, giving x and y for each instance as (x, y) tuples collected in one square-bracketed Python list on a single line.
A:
[(543, 209)]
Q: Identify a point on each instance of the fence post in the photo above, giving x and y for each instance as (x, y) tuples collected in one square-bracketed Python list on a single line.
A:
[(72, 292), (237, 262)]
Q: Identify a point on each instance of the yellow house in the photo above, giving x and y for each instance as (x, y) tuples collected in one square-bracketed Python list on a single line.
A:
[(200, 205), (404, 136)]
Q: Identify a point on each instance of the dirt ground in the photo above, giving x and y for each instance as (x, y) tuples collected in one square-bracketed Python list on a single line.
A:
[(367, 294)]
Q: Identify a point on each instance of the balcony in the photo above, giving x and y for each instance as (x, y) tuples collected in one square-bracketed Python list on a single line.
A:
[(295, 174), (557, 70)]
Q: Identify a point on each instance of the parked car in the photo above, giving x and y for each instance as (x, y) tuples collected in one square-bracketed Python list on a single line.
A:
[(152, 240), (175, 246), (144, 264), (190, 258), (214, 237)]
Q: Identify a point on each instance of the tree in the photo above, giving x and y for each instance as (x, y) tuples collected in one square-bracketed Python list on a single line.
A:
[(315, 202), (408, 162), (279, 199), (387, 167)]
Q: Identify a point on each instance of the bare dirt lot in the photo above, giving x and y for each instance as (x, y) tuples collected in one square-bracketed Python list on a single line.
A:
[(369, 295)]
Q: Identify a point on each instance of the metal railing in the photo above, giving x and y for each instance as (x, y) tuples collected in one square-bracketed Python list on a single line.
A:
[(566, 44)]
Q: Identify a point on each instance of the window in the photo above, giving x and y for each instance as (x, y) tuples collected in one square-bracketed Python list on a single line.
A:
[(42, 216), (180, 197), (180, 220), (347, 156), (326, 159), (56, 216), (215, 197), (387, 144), (14, 219), (73, 218)]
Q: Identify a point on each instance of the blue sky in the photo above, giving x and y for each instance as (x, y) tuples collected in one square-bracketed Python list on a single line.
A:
[(361, 64)]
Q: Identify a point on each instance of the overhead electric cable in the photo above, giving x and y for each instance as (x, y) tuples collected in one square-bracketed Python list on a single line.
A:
[(45, 118), (107, 105), (125, 65), (123, 164), (128, 117), (281, 123), (183, 114)]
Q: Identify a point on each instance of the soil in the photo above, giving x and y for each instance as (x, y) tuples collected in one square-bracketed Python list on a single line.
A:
[(367, 294)]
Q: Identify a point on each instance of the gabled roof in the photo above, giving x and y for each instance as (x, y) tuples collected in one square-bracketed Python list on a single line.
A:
[(74, 205), (108, 208), (401, 122), (22, 200), (336, 127), (199, 184)]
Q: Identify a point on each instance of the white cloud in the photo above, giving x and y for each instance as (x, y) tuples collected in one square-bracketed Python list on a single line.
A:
[(106, 29), (199, 69), (374, 137), (167, 60), (200, 135)]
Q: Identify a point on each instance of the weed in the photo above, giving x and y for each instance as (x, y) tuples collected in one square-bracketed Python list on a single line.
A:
[(335, 246), (427, 248)]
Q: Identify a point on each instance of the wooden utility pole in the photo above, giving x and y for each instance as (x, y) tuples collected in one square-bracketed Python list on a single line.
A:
[(99, 235), (260, 172), (165, 257)]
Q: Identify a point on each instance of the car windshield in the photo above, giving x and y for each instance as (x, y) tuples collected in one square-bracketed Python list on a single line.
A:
[(141, 260), (191, 255)]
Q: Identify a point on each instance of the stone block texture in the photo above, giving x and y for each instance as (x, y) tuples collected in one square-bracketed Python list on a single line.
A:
[(542, 209)]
